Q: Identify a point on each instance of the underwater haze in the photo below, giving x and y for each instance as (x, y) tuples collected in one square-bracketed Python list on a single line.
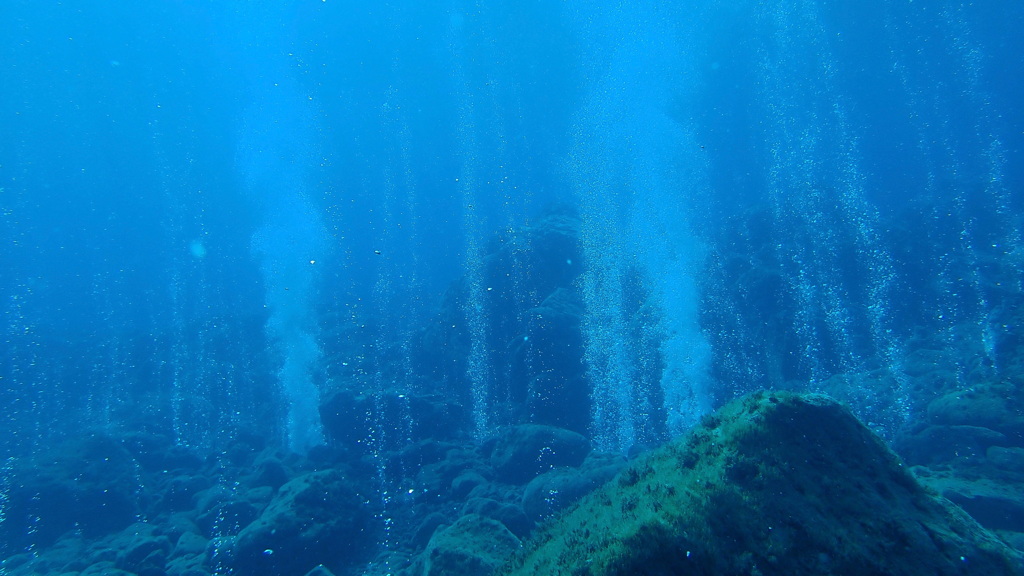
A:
[(251, 248)]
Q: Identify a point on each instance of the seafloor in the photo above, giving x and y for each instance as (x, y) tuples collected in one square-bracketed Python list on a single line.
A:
[(771, 483)]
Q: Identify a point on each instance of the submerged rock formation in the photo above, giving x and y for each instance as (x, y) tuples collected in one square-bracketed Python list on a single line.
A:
[(316, 518), (771, 484)]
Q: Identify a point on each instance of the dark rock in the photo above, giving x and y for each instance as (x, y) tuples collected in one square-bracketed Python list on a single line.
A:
[(465, 483), (317, 518), (89, 485), (270, 471), (243, 450), (220, 553), (557, 392), (16, 561), (553, 491), (510, 515), (424, 453), (391, 563), (995, 509), (181, 491), (1009, 460), (438, 464), (320, 570), (103, 551), (523, 452), (422, 534), (140, 549), (522, 269), (771, 484), (993, 406), (151, 570), (555, 254), (345, 414), (71, 553), (158, 453), (223, 510), (472, 545), (942, 444), (561, 400), (995, 505), (177, 524), (1014, 539), (189, 544), (68, 554), (228, 516), (105, 569), (190, 565)]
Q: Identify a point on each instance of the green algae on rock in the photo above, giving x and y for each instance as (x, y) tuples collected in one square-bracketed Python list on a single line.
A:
[(316, 518), (773, 483), (474, 544)]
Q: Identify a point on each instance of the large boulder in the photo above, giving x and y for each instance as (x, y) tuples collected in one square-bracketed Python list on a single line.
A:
[(555, 388), (771, 484), (349, 416), (994, 406), (511, 515), (532, 308), (474, 545), (317, 518), (996, 505), (948, 444), (141, 550), (523, 452), (557, 489), (221, 507), (89, 484)]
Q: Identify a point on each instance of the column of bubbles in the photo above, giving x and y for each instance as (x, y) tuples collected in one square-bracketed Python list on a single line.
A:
[(393, 295), (992, 232), (816, 176), (973, 239), (800, 192), (413, 304), (886, 403), (597, 166), (499, 178), (277, 148), (474, 307), (224, 530), (949, 243), (10, 378), (739, 303), (193, 420), (605, 339), (638, 182), (6, 482), (669, 175), (24, 376), (106, 373), (25, 424)]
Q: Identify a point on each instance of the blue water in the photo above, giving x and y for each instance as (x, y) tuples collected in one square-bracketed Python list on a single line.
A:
[(215, 216)]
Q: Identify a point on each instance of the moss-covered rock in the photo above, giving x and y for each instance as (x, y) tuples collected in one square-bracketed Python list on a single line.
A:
[(473, 545), (141, 550), (510, 515), (523, 452), (771, 484), (317, 518), (88, 484), (947, 444), (994, 406), (997, 504), (557, 489)]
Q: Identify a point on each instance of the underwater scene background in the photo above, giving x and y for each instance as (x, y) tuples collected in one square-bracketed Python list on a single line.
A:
[(320, 286)]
